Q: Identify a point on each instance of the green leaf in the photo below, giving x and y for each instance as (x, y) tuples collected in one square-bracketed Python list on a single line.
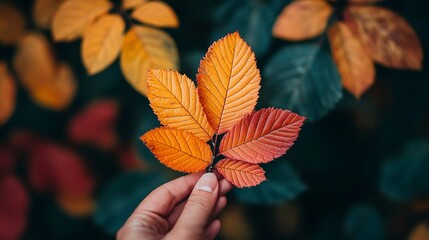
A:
[(406, 176), (364, 223), (283, 185), (119, 199), (302, 78), (252, 19)]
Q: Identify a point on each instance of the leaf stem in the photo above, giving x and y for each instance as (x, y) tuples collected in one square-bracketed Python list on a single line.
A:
[(215, 153)]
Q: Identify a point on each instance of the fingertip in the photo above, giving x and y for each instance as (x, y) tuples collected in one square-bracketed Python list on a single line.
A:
[(224, 187), (212, 230)]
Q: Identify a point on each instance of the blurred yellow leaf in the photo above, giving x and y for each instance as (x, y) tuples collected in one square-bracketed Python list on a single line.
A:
[(7, 94), (75, 16), (44, 11), (354, 64), (58, 92), (156, 13), (302, 19), (77, 206), (174, 99), (12, 25), (420, 232), (178, 149), (34, 62), (102, 43), (387, 37), (228, 82), (130, 4), (145, 48)]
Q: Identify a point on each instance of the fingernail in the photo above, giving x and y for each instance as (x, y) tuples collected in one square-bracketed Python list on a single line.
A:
[(207, 182)]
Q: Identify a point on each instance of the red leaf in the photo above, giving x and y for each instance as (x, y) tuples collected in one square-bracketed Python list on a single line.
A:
[(13, 207), (129, 160), (241, 174), (59, 170), (7, 161), (95, 125), (262, 135)]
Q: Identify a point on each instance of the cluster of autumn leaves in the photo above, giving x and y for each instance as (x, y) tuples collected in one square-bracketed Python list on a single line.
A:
[(221, 107), (364, 35)]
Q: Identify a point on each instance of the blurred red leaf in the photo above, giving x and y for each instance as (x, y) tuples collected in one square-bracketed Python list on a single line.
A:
[(7, 160), (59, 170), (129, 159), (95, 125), (13, 207), (23, 141)]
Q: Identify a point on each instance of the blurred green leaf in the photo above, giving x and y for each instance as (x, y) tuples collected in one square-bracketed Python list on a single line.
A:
[(302, 78), (406, 176), (121, 197), (283, 184), (364, 223)]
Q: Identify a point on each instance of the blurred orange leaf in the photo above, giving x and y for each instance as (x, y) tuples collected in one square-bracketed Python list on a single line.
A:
[(228, 82), (95, 125), (14, 203), (145, 48), (420, 232), (261, 136), (174, 99), (178, 149), (354, 64), (241, 174), (78, 206), (7, 94), (388, 38), (130, 4), (302, 19), (44, 11), (156, 13), (75, 16), (102, 43), (12, 24), (58, 170)]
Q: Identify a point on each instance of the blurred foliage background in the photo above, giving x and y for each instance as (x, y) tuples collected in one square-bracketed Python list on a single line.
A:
[(72, 166)]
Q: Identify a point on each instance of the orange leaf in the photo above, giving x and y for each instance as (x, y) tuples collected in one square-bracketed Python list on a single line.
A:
[(102, 43), (44, 11), (156, 13), (420, 232), (78, 206), (228, 82), (145, 48), (12, 25), (7, 94), (14, 203), (302, 19), (174, 99), (34, 61), (130, 4), (262, 135), (58, 93), (239, 173), (354, 64), (178, 149), (75, 16), (387, 37)]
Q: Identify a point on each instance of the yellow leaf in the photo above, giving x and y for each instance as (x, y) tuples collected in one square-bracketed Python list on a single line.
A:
[(102, 43), (12, 25), (34, 61), (387, 37), (174, 99), (228, 82), (354, 64), (44, 11), (420, 232), (75, 16), (156, 13), (302, 19), (178, 149), (7, 94), (145, 48), (130, 4), (58, 92)]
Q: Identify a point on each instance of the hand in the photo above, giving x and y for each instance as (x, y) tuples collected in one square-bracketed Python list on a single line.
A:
[(181, 209)]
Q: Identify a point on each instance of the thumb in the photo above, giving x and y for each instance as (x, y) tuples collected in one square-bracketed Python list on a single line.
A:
[(199, 207)]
